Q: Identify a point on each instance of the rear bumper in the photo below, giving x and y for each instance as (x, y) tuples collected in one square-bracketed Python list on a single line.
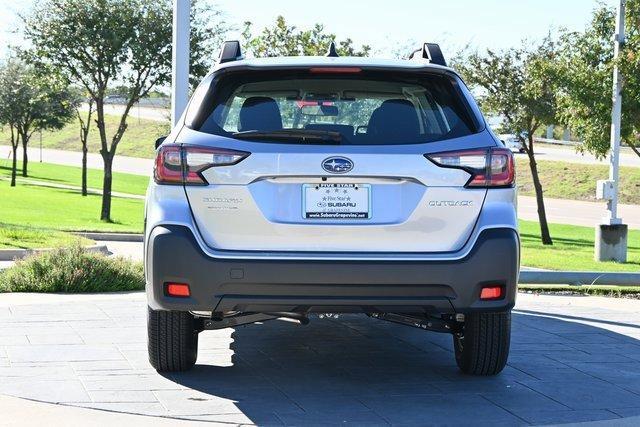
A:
[(262, 285)]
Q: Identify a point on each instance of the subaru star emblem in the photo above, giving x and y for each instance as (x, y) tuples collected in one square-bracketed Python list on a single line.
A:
[(337, 165)]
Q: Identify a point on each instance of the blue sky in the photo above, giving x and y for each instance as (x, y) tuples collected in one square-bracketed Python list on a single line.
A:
[(387, 25)]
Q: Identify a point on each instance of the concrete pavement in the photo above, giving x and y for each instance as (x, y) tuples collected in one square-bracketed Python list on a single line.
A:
[(18, 412), (573, 359)]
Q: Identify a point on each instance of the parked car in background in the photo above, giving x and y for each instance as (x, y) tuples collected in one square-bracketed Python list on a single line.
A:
[(304, 185), (512, 142), (115, 99)]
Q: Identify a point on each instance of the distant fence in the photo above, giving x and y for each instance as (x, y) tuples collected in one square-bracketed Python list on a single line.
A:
[(144, 102), (555, 141)]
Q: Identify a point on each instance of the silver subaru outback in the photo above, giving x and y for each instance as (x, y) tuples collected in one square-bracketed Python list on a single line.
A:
[(302, 185)]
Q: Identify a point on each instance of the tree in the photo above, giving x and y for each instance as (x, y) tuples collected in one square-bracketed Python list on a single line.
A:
[(518, 85), (286, 40), (585, 75), (99, 43), (32, 100), (10, 89), (85, 126)]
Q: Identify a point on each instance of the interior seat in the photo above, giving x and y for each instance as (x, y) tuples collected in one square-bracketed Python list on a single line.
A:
[(394, 120), (260, 113)]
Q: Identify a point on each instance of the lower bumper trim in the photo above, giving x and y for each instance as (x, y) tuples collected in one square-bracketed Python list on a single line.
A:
[(173, 255)]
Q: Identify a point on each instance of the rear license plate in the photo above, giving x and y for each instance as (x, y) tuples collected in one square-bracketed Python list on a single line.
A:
[(336, 201)]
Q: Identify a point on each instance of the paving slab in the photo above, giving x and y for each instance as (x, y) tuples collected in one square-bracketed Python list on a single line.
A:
[(573, 359)]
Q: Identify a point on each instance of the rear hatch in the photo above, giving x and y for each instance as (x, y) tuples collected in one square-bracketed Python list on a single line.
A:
[(324, 162)]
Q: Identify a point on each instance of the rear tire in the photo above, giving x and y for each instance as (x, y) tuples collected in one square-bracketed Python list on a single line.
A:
[(172, 340), (483, 346)]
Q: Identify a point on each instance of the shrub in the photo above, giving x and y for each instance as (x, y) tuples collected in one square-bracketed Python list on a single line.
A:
[(73, 270)]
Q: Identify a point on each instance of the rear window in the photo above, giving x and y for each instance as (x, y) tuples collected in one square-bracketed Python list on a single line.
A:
[(366, 108)]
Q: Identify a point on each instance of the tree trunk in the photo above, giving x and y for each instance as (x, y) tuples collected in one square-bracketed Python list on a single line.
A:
[(15, 142), (107, 160), (634, 148), (14, 164), (537, 185), (105, 214), (24, 155), (84, 168), (84, 136)]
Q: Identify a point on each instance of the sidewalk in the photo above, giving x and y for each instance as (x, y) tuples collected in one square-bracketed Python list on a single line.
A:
[(73, 187)]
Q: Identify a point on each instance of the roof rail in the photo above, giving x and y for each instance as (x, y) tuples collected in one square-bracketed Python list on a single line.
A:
[(332, 52), (431, 52), (230, 51)]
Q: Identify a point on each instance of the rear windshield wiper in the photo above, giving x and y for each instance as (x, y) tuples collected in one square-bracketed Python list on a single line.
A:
[(302, 135)]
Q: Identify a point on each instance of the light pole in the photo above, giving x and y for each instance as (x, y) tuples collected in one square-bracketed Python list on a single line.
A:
[(180, 59), (611, 235)]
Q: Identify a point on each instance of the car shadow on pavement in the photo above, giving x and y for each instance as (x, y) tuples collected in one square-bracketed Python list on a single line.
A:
[(366, 371)]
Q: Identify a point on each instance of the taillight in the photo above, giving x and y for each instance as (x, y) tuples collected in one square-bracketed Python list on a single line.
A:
[(489, 167), (184, 164)]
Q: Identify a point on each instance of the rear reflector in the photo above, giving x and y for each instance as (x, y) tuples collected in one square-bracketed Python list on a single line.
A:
[(177, 164), (491, 292), (177, 289), (489, 167)]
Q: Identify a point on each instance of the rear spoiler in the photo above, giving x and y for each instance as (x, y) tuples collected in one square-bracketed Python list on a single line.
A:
[(231, 51), (430, 52)]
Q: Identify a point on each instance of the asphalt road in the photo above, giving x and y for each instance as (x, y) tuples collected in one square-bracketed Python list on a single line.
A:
[(134, 165), (157, 114), (558, 210), (568, 154)]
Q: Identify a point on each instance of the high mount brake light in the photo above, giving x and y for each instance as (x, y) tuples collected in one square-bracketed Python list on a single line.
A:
[(184, 164), (335, 70), (489, 167)]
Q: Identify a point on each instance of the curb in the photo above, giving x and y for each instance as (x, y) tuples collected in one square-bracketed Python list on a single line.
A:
[(578, 278), (114, 237), (13, 254)]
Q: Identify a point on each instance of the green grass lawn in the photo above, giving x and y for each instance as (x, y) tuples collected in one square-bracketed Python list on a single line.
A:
[(12, 237), (41, 208), (137, 141), (71, 175), (576, 181), (572, 249), (52, 208)]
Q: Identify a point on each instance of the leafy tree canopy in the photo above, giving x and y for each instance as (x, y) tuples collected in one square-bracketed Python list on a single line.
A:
[(286, 40), (585, 79), (517, 84), (33, 99)]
